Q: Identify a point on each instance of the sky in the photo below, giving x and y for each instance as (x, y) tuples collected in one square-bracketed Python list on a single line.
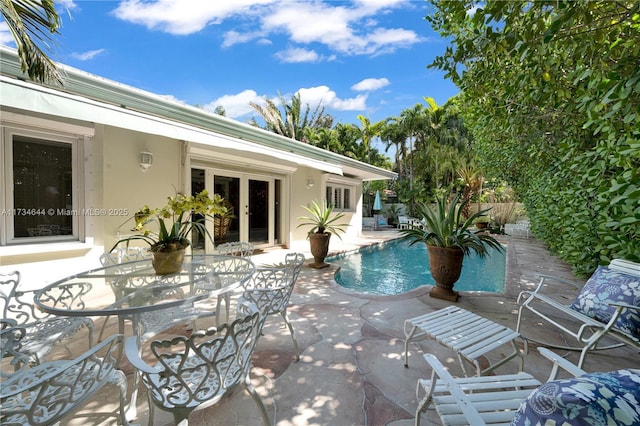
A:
[(362, 57)]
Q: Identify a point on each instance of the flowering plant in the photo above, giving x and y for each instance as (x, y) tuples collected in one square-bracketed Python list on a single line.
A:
[(176, 220)]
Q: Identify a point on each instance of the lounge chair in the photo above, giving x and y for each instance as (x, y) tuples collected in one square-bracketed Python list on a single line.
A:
[(519, 399), (607, 306)]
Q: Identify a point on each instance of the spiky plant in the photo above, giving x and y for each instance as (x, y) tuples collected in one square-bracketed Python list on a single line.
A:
[(322, 219), (446, 227)]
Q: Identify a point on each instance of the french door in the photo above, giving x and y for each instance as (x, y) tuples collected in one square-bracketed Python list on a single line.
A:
[(253, 200)]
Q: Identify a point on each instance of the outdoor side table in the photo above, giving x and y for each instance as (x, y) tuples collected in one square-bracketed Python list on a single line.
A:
[(469, 335)]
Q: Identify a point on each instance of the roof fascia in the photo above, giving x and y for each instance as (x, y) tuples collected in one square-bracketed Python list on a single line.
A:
[(108, 91)]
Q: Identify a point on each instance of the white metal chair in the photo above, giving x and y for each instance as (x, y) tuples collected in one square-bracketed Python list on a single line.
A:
[(151, 322), (42, 331), (403, 222), (196, 372), (50, 391), (481, 400), (607, 306), (234, 248), (270, 289), (10, 338)]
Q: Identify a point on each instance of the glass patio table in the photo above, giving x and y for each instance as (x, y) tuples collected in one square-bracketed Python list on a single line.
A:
[(133, 288)]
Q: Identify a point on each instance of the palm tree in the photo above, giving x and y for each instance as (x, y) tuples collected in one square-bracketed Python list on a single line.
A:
[(394, 134), (369, 131), (413, 121), (31, 21), (292, 121)]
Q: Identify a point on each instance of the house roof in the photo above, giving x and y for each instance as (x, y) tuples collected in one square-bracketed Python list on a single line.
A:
[(95, 99)]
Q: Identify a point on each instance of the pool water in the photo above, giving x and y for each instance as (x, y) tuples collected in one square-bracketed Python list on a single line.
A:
[(396, 267)]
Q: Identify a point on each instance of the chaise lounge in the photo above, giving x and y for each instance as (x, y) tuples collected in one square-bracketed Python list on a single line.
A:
[(607, 306)]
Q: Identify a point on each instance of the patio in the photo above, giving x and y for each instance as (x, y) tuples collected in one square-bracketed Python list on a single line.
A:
[(351, 368)]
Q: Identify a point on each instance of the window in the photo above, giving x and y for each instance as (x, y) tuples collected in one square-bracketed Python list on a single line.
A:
[(40, 180), (340, 196)]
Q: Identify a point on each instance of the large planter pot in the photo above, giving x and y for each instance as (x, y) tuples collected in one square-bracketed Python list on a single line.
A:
[(319, 243), (168, 262), (445, 265)]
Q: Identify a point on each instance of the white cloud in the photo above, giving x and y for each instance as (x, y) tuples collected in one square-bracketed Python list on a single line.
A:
[(182, 17), (348, 28), (231, 38), (67, 4), (85, 56), (293, 55), (328, 98), (236, 105), (370, 84), (350, 31), (6, 39)]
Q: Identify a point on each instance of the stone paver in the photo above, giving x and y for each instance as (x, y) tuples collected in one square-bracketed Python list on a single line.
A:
[(351, 369)]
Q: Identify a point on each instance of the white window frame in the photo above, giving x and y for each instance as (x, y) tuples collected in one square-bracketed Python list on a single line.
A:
[(7, 236), (338, 190)]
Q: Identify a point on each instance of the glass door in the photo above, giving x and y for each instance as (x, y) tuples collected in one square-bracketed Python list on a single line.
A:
[(251, 199), (259, 212), (228, 229)]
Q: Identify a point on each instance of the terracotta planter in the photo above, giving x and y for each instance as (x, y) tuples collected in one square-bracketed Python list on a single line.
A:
[(319, 244), (445, 265), (168, 262)]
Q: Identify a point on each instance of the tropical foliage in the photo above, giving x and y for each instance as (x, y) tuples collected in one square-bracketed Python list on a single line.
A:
[(294, 119), (32, 23), (322, 219), (551, 93), (445, 226), (182, 215)]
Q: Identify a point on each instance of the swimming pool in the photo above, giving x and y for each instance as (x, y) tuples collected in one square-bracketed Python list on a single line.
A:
[(395, 267)]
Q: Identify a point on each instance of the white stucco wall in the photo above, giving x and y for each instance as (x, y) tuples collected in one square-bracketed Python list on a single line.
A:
[(126, 187)]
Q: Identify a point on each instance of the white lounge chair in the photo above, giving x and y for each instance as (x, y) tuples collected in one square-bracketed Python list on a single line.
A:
[(607, 306), (480, 400), (520, 400)]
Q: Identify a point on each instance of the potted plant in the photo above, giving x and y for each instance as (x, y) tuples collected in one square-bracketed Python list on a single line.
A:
[(323, 222), (175, 221), (449, 238), (482, 222), (392, 212)]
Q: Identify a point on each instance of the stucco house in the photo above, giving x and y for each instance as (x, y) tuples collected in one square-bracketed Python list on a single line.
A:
[(77, 161)]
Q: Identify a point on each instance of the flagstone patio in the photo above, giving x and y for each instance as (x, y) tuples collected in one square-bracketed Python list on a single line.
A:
[(351, 370)]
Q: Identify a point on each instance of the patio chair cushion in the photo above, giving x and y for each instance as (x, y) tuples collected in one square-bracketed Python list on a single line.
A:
[(594, 398), (609, 286)]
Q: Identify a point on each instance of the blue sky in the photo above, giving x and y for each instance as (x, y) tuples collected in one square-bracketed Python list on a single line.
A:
[(365, 57)]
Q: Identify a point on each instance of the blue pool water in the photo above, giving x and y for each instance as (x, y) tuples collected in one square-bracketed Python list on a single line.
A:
[(396, 267)]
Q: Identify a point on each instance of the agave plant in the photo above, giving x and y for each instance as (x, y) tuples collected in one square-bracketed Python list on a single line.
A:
[(322, 219), (446, 227)]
